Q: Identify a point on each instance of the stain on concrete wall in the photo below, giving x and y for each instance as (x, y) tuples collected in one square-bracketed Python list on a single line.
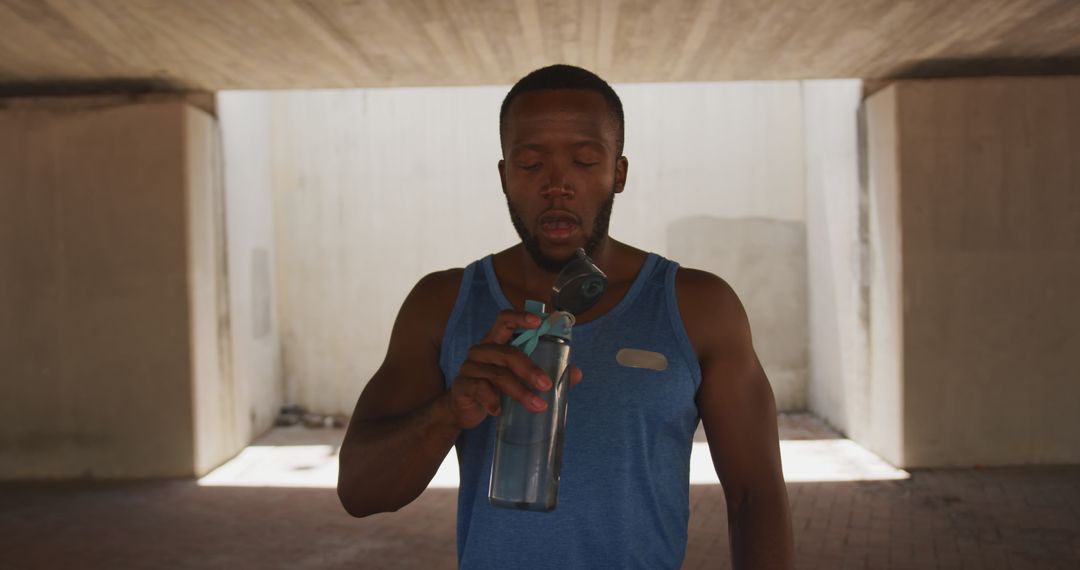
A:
[(764, 260), (260, 293)]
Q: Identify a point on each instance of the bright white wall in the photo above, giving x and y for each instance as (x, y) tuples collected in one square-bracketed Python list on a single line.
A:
[(250, 242), (731, 150), (835, 230), (374, 188), (716, 183)]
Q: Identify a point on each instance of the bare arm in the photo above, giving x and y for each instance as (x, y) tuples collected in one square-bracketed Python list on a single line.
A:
[(405, 421), (401, 428), (739, 414)]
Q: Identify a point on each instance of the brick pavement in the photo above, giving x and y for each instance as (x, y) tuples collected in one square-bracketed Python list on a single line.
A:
[(1007, 518)]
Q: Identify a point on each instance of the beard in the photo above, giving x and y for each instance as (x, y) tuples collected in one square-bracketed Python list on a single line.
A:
[(551, 264)]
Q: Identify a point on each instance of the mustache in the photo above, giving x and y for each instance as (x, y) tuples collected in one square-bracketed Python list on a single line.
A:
[(532, 244), (554, 215)]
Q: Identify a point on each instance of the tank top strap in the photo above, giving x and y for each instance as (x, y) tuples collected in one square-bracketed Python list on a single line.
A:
[(473, 285)]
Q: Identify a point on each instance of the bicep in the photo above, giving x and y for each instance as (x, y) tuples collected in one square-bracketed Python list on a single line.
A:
[(739, 415), (735, 400)]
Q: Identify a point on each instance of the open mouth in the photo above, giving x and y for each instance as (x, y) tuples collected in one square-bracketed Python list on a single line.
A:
[(558, 226)]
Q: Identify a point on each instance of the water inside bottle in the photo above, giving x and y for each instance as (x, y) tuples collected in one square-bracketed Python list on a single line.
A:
[(528, 445)]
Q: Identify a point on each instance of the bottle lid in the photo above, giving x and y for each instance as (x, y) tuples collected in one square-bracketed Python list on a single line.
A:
[(579, 285)]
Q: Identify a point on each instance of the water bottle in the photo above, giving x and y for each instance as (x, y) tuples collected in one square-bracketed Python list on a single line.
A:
[(528, 445), (527, 459)]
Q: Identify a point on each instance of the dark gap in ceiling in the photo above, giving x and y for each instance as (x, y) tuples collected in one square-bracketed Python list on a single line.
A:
[(984, 67), (116, 86)]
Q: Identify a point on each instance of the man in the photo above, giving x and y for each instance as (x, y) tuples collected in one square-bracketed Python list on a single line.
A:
[(623, 496)]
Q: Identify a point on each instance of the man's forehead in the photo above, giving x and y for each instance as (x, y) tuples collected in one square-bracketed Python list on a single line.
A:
[(537, 109)]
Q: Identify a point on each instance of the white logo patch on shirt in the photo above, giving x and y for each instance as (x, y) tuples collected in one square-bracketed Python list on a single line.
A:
[(637, 358)]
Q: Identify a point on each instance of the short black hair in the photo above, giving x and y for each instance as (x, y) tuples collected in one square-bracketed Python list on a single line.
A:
[(561, 76)]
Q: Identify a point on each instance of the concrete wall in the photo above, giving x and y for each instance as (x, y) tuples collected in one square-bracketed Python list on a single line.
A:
[(114, 361), (976, 197), (375, 188), (886, 437), (96, 367), (250, 256), (764, 260), (214, 390), (836, 229), (716, 183)]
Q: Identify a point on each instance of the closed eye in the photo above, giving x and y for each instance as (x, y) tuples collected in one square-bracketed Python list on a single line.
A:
[(531, 166), (585, 164)]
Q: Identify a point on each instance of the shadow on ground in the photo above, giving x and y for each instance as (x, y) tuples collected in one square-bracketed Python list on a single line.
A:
[(986, 518)]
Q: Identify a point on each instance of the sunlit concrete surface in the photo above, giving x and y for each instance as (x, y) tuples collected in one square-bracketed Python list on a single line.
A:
[(300, 457), (808, 461), (285, 514), (278, 466)]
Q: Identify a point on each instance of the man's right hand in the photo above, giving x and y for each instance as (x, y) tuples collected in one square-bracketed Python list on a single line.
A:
[(493, 367), (406, 420)]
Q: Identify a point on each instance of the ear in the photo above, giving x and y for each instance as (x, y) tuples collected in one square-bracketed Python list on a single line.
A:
[(502, 174), (621, 166)]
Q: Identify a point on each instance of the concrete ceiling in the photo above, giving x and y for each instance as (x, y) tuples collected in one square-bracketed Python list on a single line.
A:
[(49, 45)]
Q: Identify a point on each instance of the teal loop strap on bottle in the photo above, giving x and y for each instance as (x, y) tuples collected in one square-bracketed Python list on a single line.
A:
[(557, 324), (528, 340)]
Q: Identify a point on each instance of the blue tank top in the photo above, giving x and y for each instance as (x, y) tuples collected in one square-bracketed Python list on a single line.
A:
[(624, 490)]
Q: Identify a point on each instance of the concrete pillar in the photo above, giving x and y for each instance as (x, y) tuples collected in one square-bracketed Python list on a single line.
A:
[(975, 235), (114, 323)]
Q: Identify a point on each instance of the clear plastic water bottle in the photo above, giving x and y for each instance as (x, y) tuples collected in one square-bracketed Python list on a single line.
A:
[(528, 445), (527, 460)]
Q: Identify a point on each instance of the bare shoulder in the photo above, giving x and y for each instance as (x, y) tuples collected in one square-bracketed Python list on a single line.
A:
[(429, 304), (439, 286), (698, 285), (441, 280), (711, 310)]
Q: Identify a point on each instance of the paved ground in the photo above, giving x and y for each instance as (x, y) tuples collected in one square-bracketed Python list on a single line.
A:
[(983, 518)]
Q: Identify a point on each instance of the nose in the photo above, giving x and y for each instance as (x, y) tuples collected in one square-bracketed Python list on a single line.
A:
[(557, 186)]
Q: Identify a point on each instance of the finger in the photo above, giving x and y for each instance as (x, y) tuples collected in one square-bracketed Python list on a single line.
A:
[(575, 375), (518, 391), (476, 393), (504, 381), (494, 372), (509, 357), (507, 323)]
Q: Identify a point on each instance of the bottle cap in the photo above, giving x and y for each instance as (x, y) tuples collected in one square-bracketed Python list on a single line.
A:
[(579, 285)]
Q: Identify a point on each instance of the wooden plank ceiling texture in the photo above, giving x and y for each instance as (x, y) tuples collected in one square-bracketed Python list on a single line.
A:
[(275, 44)]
